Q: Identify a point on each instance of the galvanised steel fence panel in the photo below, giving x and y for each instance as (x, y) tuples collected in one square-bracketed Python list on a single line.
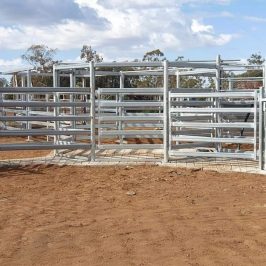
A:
[(202, 130), (40, 113), (128, 115)]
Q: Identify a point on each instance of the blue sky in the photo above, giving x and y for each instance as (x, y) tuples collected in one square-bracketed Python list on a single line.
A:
[(124, 30)]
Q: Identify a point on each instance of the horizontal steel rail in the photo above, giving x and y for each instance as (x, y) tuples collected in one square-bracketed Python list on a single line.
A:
[(143, 124), (43, 104), (239, 140), (131, 133), (212, 125), (183, 64), (181, 146), (43, 146), (130, 64), (213, 110), (130, 146), (213, 154), (130, 91), (45, 118), (43, 90), (222, 94), (189, 90), (43, 132), (143, 104), (131, 118), (191, 104)]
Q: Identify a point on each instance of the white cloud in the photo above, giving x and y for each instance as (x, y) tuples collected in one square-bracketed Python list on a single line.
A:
[(13, 64), (130, 29), (197, 27), (206, 36), (255, 19)]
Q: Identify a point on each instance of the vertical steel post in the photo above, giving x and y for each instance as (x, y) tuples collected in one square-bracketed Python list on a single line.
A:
[(56, 110), (262, 122), (47, 98), (23, 98), (120, 110), (261, 130), (85, 99), (28, 98), (2, 124), (217, 100), (166, 112), (83, 80), (230, 82), (263, 117), (255, 123), (72, 99), (178, 86), (92, 110)]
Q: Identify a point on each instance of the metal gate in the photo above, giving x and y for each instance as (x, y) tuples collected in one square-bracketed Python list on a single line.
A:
[(51, 118), (129, 118), (213, 124), (201, 123)]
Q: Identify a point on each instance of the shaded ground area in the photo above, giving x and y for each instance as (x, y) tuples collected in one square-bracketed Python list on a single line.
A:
[(142, 215), (6, 155)]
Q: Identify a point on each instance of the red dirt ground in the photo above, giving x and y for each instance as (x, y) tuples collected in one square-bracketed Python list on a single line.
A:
[(65, 215)]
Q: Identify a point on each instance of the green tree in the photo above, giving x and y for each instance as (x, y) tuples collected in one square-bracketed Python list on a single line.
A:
[(151, 81), (40, 56), (154, 55), (191, 82), (255, 59), (88, 54)]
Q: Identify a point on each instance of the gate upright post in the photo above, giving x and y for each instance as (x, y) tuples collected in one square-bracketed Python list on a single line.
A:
[(178, 86), (73, 99), (120, 110), (262, 123), (261, 130), (2, 124), (28, 98), (218, 100), (166, 112), (92, 110), (56, 110)]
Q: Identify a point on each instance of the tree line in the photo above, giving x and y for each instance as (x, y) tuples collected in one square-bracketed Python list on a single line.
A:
[(42, 59)]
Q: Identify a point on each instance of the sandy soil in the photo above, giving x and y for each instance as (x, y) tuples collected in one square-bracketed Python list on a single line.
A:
[(52, 215)]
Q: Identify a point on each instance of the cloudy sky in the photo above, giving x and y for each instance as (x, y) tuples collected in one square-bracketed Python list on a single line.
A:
[(126, 29)]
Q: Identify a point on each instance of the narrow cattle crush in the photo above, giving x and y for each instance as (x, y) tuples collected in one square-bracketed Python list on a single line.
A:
[(224, 118)]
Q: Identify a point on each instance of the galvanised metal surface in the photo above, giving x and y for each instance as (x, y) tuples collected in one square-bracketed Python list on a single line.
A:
[(57, 123), (184, 132), (123, 122), (206, 122)]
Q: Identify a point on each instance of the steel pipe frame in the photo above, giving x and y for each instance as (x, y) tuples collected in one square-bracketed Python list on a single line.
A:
[(92, 111), (262, 122), (208, 64), (166, 113), (43, 146), (43, 90)]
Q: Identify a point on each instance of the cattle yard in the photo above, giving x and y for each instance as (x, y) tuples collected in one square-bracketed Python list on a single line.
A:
[(165, 123)]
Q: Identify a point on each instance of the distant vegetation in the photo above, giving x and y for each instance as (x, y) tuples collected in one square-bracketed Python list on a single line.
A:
[(42, 58)]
